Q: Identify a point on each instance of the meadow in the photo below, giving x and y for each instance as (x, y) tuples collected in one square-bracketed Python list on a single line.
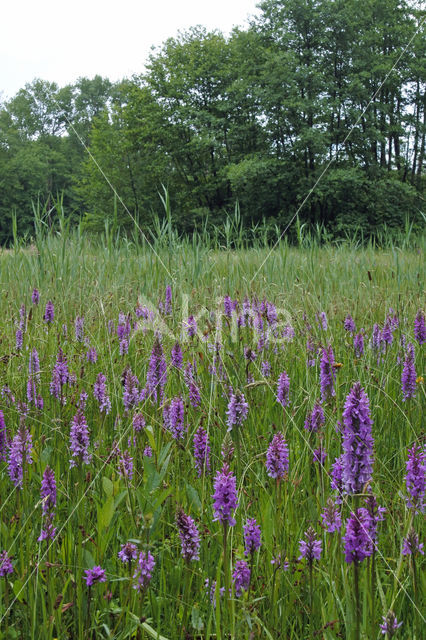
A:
[(211, 440)]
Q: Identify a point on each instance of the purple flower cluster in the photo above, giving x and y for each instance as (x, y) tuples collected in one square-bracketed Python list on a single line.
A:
[(283, 389), (359, 344), (211, 588), (6, 566), (327, 374), (390, 624), (165, 307), (19, 452), (321, 318), (331, 517), (280, 562), (249, 354), (157, 373), (191, 326), (48, 496), (189, 536), (415, 478), (7, 396), (376, 515), (357, 539), (48, 491), (412, 545), (3, 438), (357, 441), (92, 355), (100, 393), (60, 377), (123, 332), (201, 451), (128, 552), (174, 418), (310, 548), (229, 306), (23, 318), (349, 324), (386, 337), (336, 478), (194, 393), (79, 328), (277, 457), (315, 419), (241, 577), (33, 378), (319, 455), (266, 368), (95, 575), (251, 537), (19, 339), (125, 465), (419, 328), (144, 312), (83, 400), (271, 314), (138, 422), (143, 574), (176, 357), (35, 296), (237, 410), (225, 496), (376, 338), (49, 313), (79, 440), (408, 376), (131, 393)]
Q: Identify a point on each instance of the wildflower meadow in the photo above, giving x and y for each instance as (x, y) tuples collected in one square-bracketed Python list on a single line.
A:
[(198, 443)]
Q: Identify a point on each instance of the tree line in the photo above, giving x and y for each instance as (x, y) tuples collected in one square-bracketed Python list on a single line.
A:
[(316, 96)]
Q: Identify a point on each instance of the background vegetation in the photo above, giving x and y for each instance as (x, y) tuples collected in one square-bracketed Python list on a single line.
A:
[(254, 118)]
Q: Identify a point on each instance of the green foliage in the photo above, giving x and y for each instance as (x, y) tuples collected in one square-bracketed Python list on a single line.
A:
[(41, 152), (314, 95)]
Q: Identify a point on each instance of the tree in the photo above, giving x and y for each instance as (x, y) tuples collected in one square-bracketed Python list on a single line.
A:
[(40, 147)]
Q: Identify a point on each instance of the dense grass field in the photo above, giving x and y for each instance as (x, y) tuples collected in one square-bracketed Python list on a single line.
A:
[(141, 389)]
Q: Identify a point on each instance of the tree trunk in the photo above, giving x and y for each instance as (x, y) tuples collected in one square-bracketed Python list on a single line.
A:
[(422, 144)]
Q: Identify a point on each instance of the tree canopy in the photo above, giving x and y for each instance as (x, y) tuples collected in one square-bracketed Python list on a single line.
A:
[(314, 95)]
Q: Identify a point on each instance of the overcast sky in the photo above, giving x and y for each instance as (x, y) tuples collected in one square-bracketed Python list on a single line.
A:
[(60, 40)]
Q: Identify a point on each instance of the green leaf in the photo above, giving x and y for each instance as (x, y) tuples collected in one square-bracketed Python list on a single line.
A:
[(105, 514), (151, 632), (107, 486), (88, 559), (162, 497), (164, 451), (18, 589), (150, 433), (196, 619), (45, 455), (193, 497)]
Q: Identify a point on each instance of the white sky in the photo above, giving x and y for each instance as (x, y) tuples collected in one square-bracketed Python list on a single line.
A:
[(60, 40)]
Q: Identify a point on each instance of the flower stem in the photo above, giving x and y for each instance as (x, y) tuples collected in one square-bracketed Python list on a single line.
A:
[(187, 584), (311, 597), (416, 599), (372, 592), (357, 635), (228, 603)]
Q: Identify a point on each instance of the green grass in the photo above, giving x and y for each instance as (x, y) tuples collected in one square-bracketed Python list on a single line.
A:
[(98, 509)]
